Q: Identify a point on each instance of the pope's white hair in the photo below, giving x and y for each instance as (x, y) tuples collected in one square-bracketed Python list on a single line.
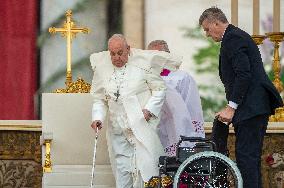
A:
[(117, 36)]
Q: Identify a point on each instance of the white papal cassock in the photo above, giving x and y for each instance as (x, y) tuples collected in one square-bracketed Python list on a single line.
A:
[(120, 94)]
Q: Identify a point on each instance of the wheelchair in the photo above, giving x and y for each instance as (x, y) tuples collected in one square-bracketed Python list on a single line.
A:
[(199, 166)]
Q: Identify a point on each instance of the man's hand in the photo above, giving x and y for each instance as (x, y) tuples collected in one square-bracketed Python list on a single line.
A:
[(226, 115), (96, 125), (147, 114)]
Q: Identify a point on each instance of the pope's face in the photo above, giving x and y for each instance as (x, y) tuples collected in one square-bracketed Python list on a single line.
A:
[(119, 52), (213, 30)]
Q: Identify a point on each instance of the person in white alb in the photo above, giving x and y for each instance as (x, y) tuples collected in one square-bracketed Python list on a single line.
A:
[(182, 112), (128, 96)]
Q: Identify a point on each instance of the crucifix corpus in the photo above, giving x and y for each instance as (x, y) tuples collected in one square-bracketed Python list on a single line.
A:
[(117, 94), (69, 31)]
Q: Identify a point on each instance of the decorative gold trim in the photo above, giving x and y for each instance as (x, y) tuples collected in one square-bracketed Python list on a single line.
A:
[(272, 128), (278, 116), (166, 181), (47, 161), (80, 86), (154, 182), (258, 39), (21, 127)]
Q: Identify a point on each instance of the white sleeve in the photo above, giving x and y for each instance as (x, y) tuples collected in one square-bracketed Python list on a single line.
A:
[(99, 109), (158, 89), (233, 105)]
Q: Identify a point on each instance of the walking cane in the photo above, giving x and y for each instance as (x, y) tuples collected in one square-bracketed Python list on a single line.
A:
[(94, 160)]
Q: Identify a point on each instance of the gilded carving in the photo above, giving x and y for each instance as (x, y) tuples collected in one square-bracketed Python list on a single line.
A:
[(20, 159), (20, 173), (20, 145), (47, 167), (278, 116), (80, 86)]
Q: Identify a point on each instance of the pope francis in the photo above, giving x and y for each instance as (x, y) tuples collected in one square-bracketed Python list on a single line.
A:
[(128, 95)]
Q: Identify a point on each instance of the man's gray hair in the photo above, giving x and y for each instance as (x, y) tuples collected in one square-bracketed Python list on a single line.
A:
[(117, 36), (213, 14), (163, 44)]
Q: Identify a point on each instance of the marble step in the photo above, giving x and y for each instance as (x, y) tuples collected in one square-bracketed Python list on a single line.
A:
[(78, 176), (97, 186)]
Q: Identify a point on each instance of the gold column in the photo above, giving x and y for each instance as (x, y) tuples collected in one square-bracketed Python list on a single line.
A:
[(47, 161)]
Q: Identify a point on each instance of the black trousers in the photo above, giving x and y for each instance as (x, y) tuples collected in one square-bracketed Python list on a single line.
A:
[(220, 132), (249, 141)]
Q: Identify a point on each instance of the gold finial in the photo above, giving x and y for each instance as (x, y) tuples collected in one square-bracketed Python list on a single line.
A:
[(69, 31)]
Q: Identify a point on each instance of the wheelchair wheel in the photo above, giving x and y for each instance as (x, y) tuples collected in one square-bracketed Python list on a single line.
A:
[(208, 170)]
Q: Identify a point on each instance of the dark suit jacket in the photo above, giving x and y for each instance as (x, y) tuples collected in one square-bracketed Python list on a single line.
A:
[(242, 73)]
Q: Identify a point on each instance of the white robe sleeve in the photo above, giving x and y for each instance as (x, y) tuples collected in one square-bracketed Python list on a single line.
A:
[(158, 89), (99, 109), (155, 60)]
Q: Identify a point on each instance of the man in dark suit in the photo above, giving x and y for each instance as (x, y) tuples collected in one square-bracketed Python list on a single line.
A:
[(250, 94)]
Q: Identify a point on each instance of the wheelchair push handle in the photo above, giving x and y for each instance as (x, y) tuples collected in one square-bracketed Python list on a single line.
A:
[(198, 140)]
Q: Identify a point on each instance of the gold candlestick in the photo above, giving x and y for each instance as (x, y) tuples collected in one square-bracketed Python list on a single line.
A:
[(276, 37), (258, 39), (69, 31)]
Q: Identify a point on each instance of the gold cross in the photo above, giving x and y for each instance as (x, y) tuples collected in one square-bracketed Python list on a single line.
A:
[(69, 31)]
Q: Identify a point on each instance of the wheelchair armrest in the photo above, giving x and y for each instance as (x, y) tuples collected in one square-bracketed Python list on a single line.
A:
[(193, 139), (196, 139)]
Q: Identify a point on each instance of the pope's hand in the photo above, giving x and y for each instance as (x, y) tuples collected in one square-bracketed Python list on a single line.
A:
[(147, 114), (96, 125), (226, 115)]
